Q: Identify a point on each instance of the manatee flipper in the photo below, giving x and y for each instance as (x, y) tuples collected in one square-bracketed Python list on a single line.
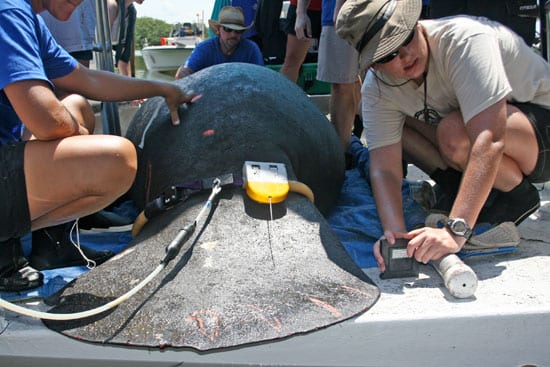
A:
[(245, 279)]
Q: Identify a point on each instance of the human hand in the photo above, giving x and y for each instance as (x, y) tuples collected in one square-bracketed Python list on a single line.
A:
[(302, 27), (390, 237), (182, 72), (137, 102), (432, 244), (174, 98)]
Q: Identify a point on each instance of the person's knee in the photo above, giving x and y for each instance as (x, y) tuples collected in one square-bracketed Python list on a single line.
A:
[(296, 51), (293, 62), (78, 104), (120, 162), (128, 158), (344, 89)]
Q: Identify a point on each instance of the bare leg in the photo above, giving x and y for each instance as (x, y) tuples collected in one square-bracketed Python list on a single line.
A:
[(520, 147), (343, 105), (420, 147), (86, 63), (76, 176), (296, 51)]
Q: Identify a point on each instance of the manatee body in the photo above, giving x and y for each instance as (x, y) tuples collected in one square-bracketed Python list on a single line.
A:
[(246, 112), (249, 273)]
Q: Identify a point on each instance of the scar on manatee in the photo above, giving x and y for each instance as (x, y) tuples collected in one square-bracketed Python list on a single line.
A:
[(271, 320), (326, 306), (196, 98), (355, 290), (212, 323), (208, 132)]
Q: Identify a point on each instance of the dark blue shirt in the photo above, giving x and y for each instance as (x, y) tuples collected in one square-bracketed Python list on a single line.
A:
[(327, 13), (249, 8), (209, 52)]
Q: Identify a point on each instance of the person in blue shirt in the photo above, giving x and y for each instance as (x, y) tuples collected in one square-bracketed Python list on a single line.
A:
[(51, 169), (227, 46), (249, 8)]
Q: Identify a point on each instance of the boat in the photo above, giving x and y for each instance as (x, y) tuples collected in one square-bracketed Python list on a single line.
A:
[(173, 50), (164, 58), (170, 54)]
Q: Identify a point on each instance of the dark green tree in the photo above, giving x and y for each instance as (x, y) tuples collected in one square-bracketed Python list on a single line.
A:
[(150, 30)]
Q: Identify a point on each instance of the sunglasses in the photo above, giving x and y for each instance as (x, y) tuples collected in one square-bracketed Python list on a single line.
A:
[(394, 54), (229, 30)]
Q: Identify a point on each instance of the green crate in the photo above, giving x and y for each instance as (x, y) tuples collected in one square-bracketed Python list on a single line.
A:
[(307, 79)]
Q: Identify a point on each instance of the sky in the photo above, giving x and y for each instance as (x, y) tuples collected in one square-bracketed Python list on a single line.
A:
[(176, 11)]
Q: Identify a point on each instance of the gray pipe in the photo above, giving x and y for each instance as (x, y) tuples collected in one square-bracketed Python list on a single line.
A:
[(109, 110)]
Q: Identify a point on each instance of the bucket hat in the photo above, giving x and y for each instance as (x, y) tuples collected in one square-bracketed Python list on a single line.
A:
[(231, 17), (376, 28)]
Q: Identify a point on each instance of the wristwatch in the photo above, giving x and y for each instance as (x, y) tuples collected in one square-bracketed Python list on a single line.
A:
[(459, 227)]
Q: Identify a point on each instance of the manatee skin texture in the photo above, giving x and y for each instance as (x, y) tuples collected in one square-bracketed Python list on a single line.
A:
[(246, 112)]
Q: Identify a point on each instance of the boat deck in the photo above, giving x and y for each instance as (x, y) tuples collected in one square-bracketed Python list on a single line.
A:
[(416, 322)]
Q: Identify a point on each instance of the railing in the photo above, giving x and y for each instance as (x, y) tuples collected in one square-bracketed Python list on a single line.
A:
[(109, 110)]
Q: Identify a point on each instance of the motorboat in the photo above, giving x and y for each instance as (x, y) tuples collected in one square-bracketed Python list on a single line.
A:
[(170, 54)]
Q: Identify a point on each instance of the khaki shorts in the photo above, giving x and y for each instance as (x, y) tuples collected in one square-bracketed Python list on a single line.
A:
[(337, 62), (14, 208)]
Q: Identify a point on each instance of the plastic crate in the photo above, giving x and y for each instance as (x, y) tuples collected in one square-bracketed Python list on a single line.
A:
[(307, 79)]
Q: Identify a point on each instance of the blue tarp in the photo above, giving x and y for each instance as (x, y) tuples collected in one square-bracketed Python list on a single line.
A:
[(355, 220)]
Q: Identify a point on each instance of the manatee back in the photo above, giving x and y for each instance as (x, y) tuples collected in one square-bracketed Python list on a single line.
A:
[(247, 112)]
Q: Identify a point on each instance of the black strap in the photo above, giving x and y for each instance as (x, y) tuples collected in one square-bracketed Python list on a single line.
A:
[(377, 26), (183, 191)]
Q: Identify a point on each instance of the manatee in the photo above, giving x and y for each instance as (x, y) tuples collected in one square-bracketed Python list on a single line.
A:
[(246, 112), (252, 272)]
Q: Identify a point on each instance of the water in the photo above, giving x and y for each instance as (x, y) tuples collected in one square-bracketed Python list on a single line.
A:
[(142, 72)]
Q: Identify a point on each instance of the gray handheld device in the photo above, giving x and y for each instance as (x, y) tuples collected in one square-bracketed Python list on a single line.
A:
[(398, 264)]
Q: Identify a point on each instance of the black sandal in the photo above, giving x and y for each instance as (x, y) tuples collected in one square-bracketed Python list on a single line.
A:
[(15, 273), (52, 248)]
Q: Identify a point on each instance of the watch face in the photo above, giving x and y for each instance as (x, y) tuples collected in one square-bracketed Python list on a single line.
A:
[(459, 227)]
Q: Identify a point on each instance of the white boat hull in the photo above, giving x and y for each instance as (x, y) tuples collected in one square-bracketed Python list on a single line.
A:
[(163, 58)]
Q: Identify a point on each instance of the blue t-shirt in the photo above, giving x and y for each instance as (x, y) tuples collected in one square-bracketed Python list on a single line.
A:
[(249, 11), (209, 52), (327, 13), (28, 52)]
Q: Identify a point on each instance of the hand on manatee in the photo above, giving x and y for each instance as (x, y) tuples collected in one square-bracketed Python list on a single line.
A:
[(174, 98)]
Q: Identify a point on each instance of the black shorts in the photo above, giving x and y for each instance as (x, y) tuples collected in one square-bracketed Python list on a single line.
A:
[(14, 208), (540, 120), (314, 18), (514, 14), (83, 55)]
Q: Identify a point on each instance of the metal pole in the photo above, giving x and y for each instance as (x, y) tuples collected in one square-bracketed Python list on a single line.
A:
[(109, 110), (542, 6)]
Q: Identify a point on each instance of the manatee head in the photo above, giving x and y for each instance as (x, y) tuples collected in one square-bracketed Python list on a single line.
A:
[(246, 112)]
